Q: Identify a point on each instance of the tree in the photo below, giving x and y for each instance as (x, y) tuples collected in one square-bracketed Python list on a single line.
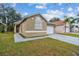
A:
[(3, 12), (69, 21), (54, 19), (8, 15), (77, 22), (2, 26), (12, 17), (66, 21)]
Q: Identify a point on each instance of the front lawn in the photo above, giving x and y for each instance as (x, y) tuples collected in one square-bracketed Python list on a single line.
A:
[(45, 46), (73, 35)]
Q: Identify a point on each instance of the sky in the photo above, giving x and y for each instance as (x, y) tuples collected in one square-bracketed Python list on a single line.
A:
[(48, 10)]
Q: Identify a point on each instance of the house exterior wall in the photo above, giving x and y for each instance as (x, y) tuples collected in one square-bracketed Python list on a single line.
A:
[(29, 25), (60, 29), (75, 28)]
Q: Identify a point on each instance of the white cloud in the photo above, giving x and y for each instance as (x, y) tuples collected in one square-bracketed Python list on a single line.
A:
[(25, 13), (13, 4), (70, 9), (47, 16), (53, 13), (41, 6), (78, 8), (70, 14)]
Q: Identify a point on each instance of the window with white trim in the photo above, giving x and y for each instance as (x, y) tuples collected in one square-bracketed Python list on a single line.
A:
[(38, 23)]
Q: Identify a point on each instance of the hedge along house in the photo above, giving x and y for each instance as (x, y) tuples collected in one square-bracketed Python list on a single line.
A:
[(34, 25)]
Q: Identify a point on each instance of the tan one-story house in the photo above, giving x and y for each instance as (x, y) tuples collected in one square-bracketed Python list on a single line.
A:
[(37, 25)]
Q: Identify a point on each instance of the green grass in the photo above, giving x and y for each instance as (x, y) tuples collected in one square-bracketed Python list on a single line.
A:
[(73, 35), (45, 46)]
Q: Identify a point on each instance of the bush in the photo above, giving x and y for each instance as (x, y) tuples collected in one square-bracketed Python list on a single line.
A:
[(1, 27), (10, 28)]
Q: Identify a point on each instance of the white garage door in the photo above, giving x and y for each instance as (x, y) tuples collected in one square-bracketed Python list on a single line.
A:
[(67, 30), (50, 30)]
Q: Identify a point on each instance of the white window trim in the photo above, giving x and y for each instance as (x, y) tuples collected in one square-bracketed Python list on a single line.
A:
[(35, 31)]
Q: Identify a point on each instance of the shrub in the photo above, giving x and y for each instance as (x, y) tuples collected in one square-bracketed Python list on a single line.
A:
[(10, 28), (1, 27)]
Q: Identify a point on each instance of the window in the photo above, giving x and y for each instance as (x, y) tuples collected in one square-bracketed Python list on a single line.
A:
[(38, 23)]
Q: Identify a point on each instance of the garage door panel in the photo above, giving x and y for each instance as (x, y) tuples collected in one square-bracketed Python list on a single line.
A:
[(50, 30)]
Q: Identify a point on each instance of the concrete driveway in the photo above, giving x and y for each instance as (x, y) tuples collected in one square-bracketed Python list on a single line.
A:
[(68, 39)]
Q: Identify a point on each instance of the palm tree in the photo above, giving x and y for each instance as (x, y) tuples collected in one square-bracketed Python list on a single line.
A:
[(69, 21), (72, 20), (77, 21), (66, 21)]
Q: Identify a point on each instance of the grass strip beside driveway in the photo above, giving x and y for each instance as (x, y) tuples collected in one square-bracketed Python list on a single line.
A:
[(73, 35)]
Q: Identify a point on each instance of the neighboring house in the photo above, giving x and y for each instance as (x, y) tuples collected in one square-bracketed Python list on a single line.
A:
[(75, 25), (59, 26), (34, 25), (75, 28)]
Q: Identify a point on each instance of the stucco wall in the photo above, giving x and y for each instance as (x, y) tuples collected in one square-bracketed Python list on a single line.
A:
[(29, 25)]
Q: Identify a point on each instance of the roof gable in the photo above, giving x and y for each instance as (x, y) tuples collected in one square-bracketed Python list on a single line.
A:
[(26, 18)]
